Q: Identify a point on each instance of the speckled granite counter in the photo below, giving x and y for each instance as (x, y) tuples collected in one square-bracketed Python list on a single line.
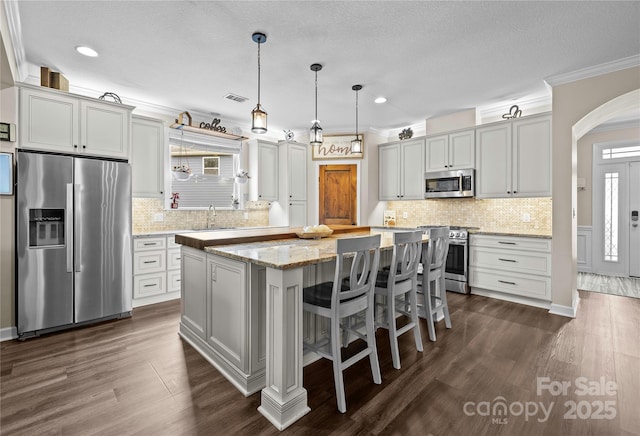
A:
[(521, 235), (293, 253)]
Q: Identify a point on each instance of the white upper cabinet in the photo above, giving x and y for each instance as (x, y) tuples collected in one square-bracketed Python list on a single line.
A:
[(514, 158), (451, 151), (297, 169), (493, 169), (401, 167), (263, 163), (104, 129), (532, 157), (148, 145), (56, 121)]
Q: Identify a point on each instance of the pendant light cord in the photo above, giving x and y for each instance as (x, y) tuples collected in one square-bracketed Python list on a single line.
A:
[(316, 96), (356, 114), (258, 74)]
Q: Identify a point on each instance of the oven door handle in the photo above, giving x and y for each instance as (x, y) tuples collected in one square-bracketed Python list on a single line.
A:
[(457, 242)]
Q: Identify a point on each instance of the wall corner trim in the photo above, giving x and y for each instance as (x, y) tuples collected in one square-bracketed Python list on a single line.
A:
[(8, 333), (568, 311)]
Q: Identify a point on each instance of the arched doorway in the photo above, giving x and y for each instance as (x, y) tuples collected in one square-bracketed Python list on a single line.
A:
[(614, 242)]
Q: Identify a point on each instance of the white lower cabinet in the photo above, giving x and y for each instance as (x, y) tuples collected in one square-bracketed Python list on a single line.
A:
[(511, 265), (156, 269), (224, 315)]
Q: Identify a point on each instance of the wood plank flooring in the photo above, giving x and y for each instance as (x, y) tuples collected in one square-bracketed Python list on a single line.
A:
[(624, 286), (137, 377)]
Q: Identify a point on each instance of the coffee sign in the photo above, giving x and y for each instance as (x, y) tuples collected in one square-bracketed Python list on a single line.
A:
[(336, 147)]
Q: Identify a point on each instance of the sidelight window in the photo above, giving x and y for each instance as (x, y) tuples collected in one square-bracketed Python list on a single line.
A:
[(611, 182)]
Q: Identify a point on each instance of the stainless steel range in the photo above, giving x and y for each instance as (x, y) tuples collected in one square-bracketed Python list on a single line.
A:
[(457, 269)]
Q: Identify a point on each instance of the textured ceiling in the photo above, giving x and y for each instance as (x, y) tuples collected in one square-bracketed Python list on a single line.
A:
[(427, 58)]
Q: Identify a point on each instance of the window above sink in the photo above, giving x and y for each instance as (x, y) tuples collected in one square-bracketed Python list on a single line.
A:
[(201, 169)]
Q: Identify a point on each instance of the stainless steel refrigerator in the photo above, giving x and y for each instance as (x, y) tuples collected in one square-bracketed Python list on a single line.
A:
[(73, 241)]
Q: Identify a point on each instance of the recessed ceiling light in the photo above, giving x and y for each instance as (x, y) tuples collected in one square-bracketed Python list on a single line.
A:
[(87, 51), (380, 100)]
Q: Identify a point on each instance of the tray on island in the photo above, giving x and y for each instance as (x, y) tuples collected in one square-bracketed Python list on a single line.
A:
[(314, 232)]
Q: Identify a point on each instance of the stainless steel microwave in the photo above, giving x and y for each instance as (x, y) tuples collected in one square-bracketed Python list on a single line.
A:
[(450, 184)]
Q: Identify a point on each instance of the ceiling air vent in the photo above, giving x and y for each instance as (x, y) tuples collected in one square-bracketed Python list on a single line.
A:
[(235, 97)]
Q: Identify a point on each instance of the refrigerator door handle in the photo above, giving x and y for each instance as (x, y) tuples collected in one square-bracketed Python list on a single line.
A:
[(68, 219), (78, 227)]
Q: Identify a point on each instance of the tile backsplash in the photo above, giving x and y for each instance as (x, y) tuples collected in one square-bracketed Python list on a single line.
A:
[(144, 210), (490, 215)]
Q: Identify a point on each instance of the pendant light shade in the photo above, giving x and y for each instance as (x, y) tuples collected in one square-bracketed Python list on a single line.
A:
[(258, 115), (356, 144), (315, 133)]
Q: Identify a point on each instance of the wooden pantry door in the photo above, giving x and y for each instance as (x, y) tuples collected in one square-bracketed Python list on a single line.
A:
[(338, 194)]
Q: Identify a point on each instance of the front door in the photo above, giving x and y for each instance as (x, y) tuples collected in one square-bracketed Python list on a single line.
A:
[(634, 212), (338, 194), (616, 206)]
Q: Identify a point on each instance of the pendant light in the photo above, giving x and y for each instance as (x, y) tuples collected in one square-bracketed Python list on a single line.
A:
[(315, 133), (356, 144), (258, 116)]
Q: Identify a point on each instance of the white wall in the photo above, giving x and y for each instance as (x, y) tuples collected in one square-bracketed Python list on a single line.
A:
[(576, 110), (8, 114)]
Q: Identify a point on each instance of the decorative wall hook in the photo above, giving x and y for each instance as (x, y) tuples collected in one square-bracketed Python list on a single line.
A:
[(111, 95), (514, 112)]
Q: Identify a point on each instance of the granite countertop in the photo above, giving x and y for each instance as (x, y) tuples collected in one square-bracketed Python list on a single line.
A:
[(515, 234), (294, 252)]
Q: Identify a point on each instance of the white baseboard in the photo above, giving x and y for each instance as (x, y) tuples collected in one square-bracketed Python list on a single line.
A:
[(8, 333), (568, 311), (138, 302), (543, 304)]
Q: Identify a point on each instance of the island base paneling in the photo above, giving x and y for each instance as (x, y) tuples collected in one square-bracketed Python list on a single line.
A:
[(223, 316)]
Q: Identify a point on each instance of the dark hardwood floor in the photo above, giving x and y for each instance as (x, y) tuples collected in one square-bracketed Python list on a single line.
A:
[(136, 376)]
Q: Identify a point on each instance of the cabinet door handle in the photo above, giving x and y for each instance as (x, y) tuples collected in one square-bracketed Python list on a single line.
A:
[(84, 146), (507, 283), (75, 145), (150, 261), (507, 260), (149, 286), (506, 243), (149, 243)]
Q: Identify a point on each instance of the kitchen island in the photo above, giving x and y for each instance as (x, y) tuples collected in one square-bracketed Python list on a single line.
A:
[(242, 308)]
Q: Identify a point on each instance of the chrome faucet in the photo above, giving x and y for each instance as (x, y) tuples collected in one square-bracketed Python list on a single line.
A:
[(211, 222)]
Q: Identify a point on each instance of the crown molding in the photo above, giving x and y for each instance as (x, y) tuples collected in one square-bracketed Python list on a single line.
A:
[(12, 16), (541, 102), (596, 70)]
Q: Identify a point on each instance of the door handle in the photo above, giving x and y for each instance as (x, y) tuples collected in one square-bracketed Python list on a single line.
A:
[(68, 227), (77, 212)]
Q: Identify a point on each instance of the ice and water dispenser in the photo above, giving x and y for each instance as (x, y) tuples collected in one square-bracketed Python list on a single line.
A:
[(46, 227)]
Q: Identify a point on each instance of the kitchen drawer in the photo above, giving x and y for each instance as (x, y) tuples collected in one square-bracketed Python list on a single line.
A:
[(173, 280), (146, 285), (511, 242), (149, 261), (531, 262), (171, 242), (173, 259), (511, 283), (155, 243)]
